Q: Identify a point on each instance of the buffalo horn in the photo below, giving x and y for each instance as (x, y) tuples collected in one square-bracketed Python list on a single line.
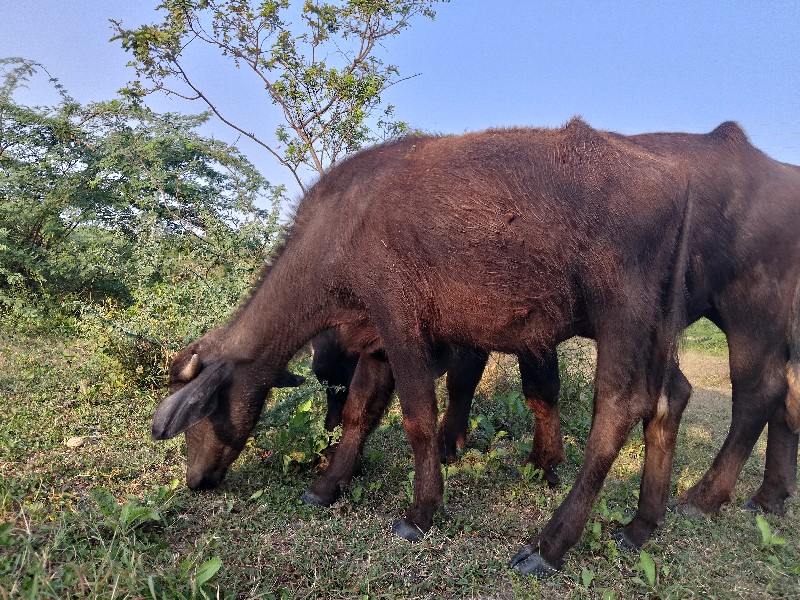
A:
[(190, 369)]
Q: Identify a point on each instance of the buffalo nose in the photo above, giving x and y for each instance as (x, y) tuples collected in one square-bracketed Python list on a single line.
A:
[(204, 481)]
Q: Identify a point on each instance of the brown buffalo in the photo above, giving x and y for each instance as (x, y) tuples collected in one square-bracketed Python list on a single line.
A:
[(509, 240), (745, 277)]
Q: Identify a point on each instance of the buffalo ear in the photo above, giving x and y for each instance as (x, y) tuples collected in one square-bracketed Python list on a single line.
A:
[(192, 403), (288, 379)]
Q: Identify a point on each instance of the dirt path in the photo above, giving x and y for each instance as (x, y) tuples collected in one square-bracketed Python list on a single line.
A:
[(710, 404)]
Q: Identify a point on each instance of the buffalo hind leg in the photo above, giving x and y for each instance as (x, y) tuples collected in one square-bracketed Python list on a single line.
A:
[(463, 375), (660, 435), (780, 471), (759, 388), (540, 385), (621, 400), (370, 391), (611, 425)]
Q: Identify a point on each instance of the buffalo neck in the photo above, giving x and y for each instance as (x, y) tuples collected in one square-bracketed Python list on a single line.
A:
[(286, 309)]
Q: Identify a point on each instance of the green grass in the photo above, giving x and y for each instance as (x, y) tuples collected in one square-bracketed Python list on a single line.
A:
[(105, 519), (703, 336)]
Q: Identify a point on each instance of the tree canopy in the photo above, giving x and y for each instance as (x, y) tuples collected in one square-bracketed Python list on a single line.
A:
[(88, 192), (317, 64)]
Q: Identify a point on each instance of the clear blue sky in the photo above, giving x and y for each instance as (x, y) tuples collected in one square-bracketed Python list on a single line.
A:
[(627, 66)]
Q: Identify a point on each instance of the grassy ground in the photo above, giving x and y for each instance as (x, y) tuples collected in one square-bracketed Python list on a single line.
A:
[(90, 506), (706, 338)]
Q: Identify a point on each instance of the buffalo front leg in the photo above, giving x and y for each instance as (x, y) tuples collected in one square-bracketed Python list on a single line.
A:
[(417, 393), (370, 392), (334, 367), (540, 384), (463, 375), (336, 396), (660, 435)]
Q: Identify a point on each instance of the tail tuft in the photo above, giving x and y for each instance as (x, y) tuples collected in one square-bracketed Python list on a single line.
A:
[(793, 366), (793, 397)]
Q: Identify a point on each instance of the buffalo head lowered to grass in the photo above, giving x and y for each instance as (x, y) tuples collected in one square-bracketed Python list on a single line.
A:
[(508, 240)]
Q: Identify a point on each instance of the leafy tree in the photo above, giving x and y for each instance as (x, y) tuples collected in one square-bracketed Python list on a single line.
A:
[(46, 166), (317, 64), (111, 200)]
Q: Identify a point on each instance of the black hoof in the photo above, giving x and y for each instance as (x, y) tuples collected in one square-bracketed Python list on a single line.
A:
[(527, 562), (752, 506), (406, 530), (522, 554), (767, 508), (623, 541), (552, 479), (311, 499)]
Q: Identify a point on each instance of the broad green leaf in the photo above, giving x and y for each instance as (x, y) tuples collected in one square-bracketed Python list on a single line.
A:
[(207, 570), (587, 576), (648, 567)]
